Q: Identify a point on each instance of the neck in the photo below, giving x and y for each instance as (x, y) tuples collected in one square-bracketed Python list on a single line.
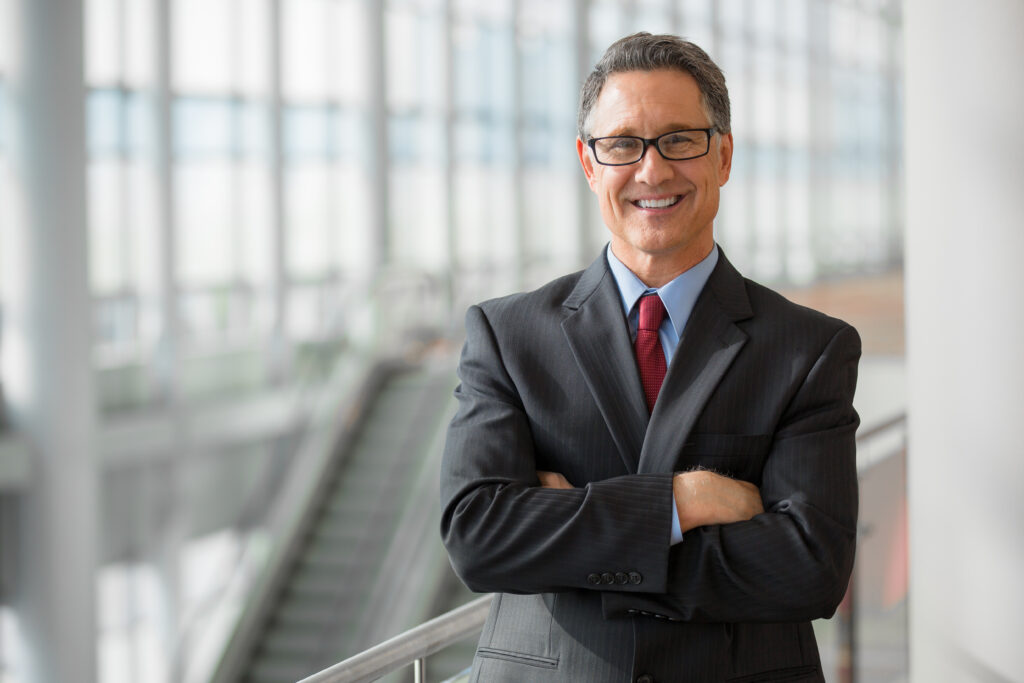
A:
[(657, 270)]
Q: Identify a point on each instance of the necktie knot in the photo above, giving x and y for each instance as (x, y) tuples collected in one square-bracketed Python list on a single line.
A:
[(652, 312)]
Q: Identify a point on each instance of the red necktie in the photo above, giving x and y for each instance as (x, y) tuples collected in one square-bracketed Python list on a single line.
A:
[(649, 355)]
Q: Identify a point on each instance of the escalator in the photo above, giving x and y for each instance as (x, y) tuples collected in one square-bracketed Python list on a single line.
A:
[(366, 561)]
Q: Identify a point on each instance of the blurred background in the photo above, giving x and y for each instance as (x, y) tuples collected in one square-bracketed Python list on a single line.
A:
[(237, 238)]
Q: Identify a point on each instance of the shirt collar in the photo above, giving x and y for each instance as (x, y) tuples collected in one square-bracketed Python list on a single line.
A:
[(679, 295)]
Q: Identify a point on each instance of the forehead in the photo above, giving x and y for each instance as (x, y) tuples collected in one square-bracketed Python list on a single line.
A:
[(644, 102)]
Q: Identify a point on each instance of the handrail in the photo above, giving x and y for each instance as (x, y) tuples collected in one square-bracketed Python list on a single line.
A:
[(883, 426), (414, 645), (411, 646)]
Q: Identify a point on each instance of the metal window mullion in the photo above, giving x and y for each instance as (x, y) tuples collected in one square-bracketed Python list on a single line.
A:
[(784, 174), (754, 150), (278, 356), (379, 161), (893, 184), (581, 37), (818, 87), (451, 232), (121, 154), (518, 193), (333, 216), (675, 17), (169, 355), (168, 352), (236, 156)]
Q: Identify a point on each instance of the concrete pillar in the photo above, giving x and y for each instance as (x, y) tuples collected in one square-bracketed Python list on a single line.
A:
[(47, 345), (965, 338)]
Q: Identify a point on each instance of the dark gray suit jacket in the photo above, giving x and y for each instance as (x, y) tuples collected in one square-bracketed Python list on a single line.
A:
[(589, 588)]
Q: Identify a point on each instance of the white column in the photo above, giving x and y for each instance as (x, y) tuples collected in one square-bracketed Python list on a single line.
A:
[(965, 338), (47, 354)]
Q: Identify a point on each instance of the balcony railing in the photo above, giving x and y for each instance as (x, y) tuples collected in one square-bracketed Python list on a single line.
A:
[(416, 644), (413, 646)]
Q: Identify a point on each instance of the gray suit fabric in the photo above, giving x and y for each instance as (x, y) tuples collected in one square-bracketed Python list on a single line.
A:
[(589, 588)]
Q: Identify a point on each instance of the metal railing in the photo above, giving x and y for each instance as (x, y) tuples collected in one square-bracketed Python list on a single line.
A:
[(416, 644), (413, 646)]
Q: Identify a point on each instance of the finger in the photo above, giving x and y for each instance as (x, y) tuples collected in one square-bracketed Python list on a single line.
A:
[(553, 480)]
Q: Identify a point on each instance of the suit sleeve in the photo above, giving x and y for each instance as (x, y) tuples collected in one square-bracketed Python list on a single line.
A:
[(503, 532), (794, 561)]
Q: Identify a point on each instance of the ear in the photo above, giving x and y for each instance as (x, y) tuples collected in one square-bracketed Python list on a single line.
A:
[(586, 161), (724, 158)]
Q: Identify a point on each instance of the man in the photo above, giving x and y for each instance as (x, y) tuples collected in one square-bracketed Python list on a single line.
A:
[(637, 528)]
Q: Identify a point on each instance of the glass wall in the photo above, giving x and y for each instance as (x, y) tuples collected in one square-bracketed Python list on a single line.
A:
[(262, 174), (260, 169), (5, 216)]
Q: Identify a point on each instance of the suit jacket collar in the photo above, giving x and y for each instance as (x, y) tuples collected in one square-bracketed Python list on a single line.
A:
[(596, 330), (708, 347)]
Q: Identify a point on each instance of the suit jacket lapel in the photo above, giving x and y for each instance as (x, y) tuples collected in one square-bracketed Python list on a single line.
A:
[(707, 348), (596, 330)]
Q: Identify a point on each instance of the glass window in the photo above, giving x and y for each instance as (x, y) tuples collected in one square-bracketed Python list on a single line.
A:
[(733, 14), (765, 20), (220, 46), (794, 25), (10, 644), (131, 646), (654, 16), (766, 104), (119, 67), (607, 24), (696, 10), (4, 217), (306, 39), (696, 24)]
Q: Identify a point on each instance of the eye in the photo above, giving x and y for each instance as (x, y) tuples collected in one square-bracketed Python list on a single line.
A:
[(622, 144), (677, 139)]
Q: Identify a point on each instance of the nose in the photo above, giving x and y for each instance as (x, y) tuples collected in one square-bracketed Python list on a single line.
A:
[(653, 169)]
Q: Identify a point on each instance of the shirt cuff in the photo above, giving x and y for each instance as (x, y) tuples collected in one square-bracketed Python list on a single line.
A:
[(677, 532)]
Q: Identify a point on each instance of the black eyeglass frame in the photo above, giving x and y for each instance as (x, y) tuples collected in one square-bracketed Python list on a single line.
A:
[(648, 142)]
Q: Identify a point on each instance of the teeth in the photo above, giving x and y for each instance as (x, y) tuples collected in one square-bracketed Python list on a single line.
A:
[(657, 203)]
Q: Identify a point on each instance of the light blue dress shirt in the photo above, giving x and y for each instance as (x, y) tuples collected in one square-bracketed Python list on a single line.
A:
[(678, 296)]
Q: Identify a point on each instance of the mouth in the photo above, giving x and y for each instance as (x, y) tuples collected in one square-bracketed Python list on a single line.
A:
[(662, 203)]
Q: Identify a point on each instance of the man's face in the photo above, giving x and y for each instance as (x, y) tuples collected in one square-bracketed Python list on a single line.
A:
[(647, 234)]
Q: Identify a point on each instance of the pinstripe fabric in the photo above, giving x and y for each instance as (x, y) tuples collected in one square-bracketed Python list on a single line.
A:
[(591, 590)]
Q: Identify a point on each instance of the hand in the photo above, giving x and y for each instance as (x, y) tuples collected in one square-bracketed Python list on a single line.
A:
[(553, 480), (704, 497)]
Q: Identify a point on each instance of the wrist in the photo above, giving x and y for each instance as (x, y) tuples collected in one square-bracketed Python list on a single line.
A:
[(688, 507)]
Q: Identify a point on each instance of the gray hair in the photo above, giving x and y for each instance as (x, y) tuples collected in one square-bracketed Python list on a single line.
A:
[(645, 52)]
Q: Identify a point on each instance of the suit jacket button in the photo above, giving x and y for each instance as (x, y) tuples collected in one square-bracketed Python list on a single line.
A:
[(636, 578), (593, 579), (608, 578), (646, 678), (621, 578)]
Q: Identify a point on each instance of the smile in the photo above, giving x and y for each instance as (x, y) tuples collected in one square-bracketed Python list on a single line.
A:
[(657, 203)]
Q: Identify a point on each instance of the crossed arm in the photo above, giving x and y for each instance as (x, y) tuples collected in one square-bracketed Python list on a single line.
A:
[(779, 552), (702, 497)]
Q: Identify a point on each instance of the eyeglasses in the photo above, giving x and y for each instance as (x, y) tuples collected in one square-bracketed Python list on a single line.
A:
[(676, 145)]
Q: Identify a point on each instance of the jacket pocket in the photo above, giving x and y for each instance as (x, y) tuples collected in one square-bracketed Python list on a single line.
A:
[(519, 630), (517, 657), (791, 674)]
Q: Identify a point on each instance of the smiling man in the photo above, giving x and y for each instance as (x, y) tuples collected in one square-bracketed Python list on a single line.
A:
[(653, 463)]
